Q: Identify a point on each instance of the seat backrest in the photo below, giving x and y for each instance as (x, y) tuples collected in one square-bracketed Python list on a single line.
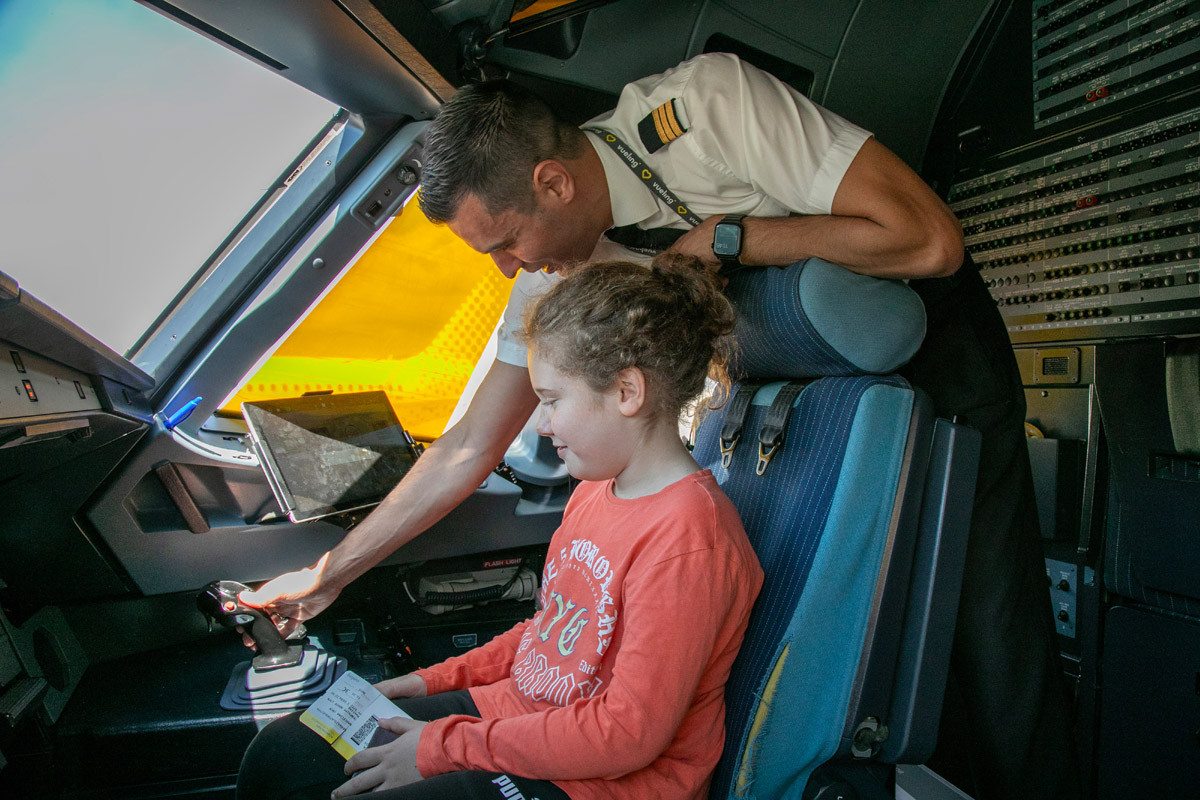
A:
[(849, 637)]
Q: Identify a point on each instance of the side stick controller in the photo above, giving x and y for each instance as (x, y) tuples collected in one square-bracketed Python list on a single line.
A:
[(219, 602)]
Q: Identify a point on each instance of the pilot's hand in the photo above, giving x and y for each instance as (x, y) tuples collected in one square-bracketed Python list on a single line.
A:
[(404, 686), (698, 242), (292, 598), (388, 766)]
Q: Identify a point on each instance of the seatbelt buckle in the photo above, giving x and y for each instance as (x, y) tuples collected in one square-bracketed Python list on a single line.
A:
[(727, 446), (765, 452)]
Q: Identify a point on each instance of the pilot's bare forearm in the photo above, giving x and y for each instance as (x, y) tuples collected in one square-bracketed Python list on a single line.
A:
[(886, 221), (446, 474), (443, 477), (861, 245)]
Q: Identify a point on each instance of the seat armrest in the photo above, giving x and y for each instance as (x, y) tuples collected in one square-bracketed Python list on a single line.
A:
[(936, 580)]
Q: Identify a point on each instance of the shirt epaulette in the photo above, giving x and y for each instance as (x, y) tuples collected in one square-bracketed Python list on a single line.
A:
[(660, 127)]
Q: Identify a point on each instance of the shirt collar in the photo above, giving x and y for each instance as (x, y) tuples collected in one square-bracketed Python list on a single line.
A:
[(630, 200)]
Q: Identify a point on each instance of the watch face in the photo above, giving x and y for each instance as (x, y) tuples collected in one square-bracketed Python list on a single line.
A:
[(727, 239)]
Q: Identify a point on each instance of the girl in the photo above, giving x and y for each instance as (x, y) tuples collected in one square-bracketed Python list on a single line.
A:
[(615, 687)]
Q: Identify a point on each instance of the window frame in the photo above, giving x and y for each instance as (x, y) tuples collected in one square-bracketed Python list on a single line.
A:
[(280, 217), (328, 237)]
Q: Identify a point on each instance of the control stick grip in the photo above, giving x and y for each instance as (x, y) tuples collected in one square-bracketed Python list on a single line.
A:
[(219, 602), (267, 638)]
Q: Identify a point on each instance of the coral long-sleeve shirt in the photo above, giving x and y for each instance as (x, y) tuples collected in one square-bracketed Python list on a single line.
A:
[(615, 687)]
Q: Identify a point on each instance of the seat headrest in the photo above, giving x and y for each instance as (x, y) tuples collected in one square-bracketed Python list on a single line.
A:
[(814, 319)]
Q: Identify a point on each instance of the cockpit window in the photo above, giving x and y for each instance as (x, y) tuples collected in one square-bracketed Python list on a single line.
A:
[(131, 148), (411, 317)]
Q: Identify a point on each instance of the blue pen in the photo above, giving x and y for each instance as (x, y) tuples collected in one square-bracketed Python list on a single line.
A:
[(182, 414)]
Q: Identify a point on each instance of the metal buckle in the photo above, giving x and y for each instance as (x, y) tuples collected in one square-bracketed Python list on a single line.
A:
[(727, 450), (764, 457)]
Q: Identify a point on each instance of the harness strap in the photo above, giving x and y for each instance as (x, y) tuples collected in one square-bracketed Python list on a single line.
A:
[(735, 420), (771, 434), (650, 241)]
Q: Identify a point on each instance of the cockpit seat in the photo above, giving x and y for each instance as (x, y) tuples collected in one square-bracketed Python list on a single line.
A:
[(857, 501)]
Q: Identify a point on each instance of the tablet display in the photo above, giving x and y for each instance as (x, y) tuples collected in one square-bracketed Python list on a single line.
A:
[(327, 454)]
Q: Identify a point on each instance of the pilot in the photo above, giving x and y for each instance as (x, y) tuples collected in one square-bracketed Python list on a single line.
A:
[(717, 159)]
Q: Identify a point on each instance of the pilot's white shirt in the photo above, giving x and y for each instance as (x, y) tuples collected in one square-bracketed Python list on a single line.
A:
[(753, 146)]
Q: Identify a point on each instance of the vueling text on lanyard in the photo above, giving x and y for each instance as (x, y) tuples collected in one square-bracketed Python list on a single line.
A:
[(652, 181)]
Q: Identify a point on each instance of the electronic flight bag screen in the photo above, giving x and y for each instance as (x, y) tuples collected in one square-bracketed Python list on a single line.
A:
[(327, 454)]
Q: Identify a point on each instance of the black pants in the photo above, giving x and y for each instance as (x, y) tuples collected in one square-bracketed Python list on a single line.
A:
[(288, 761), (1005, 724)]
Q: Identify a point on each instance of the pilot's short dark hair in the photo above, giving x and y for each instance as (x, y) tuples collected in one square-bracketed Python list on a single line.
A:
[(486, 141)]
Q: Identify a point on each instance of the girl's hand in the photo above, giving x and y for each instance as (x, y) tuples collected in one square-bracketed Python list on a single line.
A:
[(404, 686), (388, 766)]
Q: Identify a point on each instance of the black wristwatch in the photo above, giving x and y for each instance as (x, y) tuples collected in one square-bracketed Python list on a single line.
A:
[(727, 240)]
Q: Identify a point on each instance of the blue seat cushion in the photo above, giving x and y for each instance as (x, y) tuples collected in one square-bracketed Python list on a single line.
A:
[(814, 319)]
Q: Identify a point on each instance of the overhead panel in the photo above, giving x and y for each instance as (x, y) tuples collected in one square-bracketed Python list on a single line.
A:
[(1090, 55), (1091, 231), (1095, 240)]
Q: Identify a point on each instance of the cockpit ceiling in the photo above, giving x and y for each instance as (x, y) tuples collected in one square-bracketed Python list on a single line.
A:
[(401, 58), (299, 40)]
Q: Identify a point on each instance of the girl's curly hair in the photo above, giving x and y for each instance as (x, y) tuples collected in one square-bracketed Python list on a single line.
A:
[(671, 321)]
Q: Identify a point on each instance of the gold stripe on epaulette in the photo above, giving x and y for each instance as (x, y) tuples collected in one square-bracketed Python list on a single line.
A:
[(664, 121), (668, 112), (660, 127), (656, 114)]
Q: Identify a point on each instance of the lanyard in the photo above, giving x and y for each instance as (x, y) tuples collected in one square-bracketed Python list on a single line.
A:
[(647, 175)]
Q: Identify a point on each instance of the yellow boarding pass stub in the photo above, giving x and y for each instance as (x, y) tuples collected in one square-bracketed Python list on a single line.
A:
[(348, 714)]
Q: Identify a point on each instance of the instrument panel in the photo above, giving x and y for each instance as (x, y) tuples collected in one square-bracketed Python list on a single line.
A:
[(1095, 240), (1077, 176), (34, 386), (1091, 54)]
